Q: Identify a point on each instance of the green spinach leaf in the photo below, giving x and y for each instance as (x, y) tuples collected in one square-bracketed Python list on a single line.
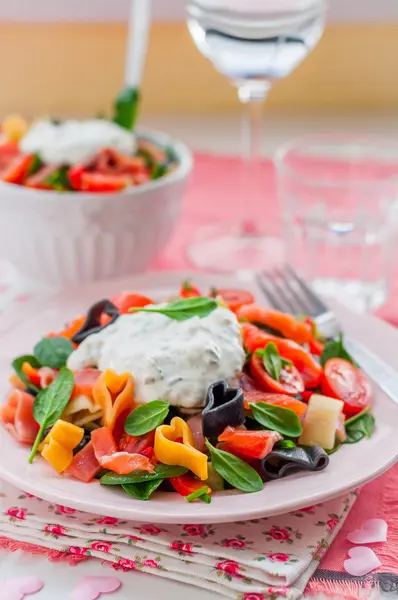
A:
[(277, 418), (50, 403), (53, 352), (161, 472), (146, 417), (144, 490), (336, 349), (234, 470), (361, 427)]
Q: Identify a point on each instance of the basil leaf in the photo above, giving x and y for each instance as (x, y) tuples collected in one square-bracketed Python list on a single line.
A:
[(126, 108), (181, 310), (361, 427), (146, 418), (144, 490), (234, 470), (271, 360), (335, 349), (50, 403), (161, 472), (17, 365), (277, 418), (53, 352)]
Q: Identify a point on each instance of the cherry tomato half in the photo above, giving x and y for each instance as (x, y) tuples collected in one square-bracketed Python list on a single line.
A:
[(127, 300), (235, 299), (188, 290), (345, 382), (290, 381), (309, 369)]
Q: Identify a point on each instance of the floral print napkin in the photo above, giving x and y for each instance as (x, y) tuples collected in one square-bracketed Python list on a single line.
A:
[(251, 560)]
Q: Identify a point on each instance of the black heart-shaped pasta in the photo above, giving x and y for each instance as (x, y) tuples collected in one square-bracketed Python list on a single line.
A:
[(92, 324), (224, 406), (286, 461)]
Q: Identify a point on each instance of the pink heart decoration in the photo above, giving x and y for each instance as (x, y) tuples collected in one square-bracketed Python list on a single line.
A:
[(361, 562), (91, 588), (17, 589), (371, 532)]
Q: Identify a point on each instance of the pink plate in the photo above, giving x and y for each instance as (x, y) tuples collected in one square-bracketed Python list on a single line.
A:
[(349, 468)]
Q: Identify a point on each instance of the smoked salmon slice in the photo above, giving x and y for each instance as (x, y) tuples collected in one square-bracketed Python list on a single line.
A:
[(17, 416)]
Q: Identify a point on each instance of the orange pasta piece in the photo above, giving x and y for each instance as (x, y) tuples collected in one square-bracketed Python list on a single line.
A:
[(16, 382), (114, 394)]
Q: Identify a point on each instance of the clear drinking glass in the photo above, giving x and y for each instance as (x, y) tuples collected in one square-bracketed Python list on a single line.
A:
[(252, 43), (339, 202)]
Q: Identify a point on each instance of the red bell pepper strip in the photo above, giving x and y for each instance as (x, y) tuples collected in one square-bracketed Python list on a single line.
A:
[(31, 373), (188, 290), (186, 484)]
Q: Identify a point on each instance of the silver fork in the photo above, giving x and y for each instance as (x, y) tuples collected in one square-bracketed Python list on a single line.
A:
[(287, 292)]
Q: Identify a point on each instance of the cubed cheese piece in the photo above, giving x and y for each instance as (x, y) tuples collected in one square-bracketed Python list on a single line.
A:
[(321, 422)]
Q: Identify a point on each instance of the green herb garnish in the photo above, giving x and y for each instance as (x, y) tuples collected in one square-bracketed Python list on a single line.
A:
[(273, 361), (143, 490), (181, 310), (277, 418), (126, 108), (53, 352), (160, 472), (197, 494), (336, 349), (50, 403), (146, 418), (234, 470)]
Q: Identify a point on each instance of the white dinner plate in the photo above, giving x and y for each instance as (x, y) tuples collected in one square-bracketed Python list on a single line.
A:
[(349, 468)]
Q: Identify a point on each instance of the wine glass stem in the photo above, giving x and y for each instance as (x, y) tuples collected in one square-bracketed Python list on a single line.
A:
[(253, 99)]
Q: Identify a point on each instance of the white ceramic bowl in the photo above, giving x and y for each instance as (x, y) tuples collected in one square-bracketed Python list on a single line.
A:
[(64, 238)]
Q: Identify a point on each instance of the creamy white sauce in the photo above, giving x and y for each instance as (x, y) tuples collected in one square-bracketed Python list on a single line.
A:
[(73, 142), (170, 360)]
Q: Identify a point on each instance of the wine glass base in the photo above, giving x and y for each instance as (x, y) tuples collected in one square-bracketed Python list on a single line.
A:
[(225, 248)]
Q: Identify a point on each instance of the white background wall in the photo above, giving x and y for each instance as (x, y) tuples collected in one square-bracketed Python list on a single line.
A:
[(116, 10)]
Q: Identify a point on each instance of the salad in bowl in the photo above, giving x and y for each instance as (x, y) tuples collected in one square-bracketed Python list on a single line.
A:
[(94, 155), (88, 200), (203, 392)]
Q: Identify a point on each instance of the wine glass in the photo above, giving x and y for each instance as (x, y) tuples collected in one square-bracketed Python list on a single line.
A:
[(253, 43)]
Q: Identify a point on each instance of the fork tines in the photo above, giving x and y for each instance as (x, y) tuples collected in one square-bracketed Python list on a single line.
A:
[(287, 292)]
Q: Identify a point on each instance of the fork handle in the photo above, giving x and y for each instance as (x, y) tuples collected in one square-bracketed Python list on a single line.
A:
[(383, 374)]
